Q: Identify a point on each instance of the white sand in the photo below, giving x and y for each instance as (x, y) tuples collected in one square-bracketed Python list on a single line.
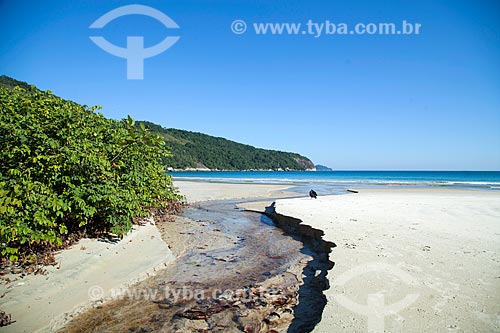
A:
[(203, 191), (437, 251), (87, 273)]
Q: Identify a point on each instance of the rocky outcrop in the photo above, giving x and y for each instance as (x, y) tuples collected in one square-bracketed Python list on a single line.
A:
[(306, 163)]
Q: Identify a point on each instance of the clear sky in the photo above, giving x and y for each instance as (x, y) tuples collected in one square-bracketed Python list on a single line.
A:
[(412, 102)]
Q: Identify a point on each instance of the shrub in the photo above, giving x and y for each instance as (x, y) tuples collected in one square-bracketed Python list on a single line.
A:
[(65, 168)]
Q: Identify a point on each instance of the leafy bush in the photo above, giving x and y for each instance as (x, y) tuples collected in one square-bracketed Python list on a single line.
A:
[(65, 168)]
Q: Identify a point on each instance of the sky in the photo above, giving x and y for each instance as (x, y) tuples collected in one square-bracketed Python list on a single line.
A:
[(427, 101)]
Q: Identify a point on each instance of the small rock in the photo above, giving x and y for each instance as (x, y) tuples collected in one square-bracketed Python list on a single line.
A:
[(16, 270)]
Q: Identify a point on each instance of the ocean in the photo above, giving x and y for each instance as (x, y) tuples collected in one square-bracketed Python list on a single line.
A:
[(325, 182)]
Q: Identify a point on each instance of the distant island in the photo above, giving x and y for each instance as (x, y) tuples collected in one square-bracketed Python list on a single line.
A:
[(201, 152), (320, 167)]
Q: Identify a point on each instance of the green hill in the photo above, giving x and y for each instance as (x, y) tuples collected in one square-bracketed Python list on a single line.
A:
[(9, 82), (202, 151)]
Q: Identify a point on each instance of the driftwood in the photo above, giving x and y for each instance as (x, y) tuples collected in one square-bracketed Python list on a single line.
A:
[(202, 312), (352, 191)]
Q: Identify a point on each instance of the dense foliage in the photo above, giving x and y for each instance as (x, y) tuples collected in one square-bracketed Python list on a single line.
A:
[(197, 150), (65, 168)]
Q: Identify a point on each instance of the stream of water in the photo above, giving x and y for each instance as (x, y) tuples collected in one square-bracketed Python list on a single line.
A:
[(220, 282)]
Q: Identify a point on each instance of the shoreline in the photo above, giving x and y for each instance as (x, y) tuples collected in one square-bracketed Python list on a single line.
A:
[(340, 180), (388, 231), (195, 191)]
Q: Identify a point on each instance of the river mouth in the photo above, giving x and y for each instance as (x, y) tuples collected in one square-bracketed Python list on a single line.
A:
[(235, 272)]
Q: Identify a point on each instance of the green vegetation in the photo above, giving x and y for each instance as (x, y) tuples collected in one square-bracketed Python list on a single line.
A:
[(9, 82), (197, 150), (65, 168)]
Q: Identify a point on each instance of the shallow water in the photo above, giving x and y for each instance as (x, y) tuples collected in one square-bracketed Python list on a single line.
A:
[(247, 250), (261, 247)]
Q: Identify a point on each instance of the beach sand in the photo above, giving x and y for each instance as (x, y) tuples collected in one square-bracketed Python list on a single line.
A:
[(424, 260), (203, 191), (430, 257), (84, 277)]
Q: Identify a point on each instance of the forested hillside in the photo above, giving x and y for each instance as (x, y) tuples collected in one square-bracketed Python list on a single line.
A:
[(197, 150)]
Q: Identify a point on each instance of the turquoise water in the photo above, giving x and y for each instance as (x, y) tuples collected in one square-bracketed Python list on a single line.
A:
[(326, 181)]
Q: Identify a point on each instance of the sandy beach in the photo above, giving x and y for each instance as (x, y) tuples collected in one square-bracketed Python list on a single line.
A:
[(409, 260), (406, 260), (250, 166), (203, 191)]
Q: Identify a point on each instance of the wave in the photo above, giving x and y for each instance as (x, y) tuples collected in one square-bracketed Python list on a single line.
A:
[(346, 182)]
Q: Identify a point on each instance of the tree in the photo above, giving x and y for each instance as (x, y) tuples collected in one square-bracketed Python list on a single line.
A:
[(66, 168)]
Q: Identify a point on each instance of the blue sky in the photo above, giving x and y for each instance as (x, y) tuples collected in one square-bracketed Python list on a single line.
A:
[(411, 102)]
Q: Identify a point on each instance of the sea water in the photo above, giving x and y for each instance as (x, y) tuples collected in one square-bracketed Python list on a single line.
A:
[(334, 181)]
